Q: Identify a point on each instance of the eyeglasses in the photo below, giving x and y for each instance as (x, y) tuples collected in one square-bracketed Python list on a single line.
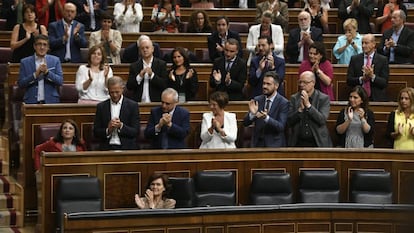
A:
[(304, 82)]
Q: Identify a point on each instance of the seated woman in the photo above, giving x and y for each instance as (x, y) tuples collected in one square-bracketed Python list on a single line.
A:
[(355, 123), (400, 127), (91, 78), (156, 193), (166, 16), (319, 15), (109, 39), (321, 67), (218, 128), (349, 44), (182, 77), (384, 13), (67, 139), (22, 37), (199, 22), (128, 16)]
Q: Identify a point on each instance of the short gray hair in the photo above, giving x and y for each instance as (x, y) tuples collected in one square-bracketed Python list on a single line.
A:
[(171, 91)]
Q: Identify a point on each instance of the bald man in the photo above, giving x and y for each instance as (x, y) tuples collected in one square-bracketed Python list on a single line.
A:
[(308, 113), (301, 37), (67, 36)]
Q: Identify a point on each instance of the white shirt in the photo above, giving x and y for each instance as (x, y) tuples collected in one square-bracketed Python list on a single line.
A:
[(41, 81), (115, 111), (145, 98)]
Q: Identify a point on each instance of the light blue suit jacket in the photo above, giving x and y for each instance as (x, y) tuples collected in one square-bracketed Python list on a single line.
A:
[(52, 80)]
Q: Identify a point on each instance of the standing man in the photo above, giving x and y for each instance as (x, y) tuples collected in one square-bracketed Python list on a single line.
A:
[(67, 36), (229, 72), (90, 12), (117, 119), (268, 112), (397, 43), (266, 60), (148, 76), (41, 74), (308, 113), (370, 70), (279, 11), (361, 10), (169, 124), (217, 39), (301, 38)]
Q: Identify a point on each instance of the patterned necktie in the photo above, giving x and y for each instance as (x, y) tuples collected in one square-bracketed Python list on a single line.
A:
[(367, 83), (267, 107)]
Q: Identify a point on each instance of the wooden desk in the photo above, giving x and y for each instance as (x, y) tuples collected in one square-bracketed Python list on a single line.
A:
[(122, 174)]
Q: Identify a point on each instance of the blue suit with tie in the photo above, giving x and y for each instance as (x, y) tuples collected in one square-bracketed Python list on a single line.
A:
[(272, 132), (173, 137), (52, 79), (58, 47)]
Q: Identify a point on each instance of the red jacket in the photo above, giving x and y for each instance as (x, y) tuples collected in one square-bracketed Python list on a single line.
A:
[(52, 146)]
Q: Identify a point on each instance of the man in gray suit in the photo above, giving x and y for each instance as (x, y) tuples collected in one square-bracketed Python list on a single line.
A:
[(268, 112), (308, 112)]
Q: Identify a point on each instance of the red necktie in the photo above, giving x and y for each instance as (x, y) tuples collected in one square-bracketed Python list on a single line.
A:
[(367, 83)]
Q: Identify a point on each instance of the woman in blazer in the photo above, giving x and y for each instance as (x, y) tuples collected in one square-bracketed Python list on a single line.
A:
[(218, 128)]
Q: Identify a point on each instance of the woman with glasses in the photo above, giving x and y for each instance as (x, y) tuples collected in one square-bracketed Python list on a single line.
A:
[(321, 67)]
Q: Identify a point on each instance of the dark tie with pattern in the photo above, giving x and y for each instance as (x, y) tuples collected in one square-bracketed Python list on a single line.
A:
[(367, 83), (267, 105)]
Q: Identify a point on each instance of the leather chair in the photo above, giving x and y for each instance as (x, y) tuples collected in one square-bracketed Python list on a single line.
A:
[(240, 27), (6, 54), (77, 194), (202, 55), (44, 132), (68, 93), (319, 186), (84, 55), (244, 136), (215, 188), (271, 188), (371, 187), (183, 27), (182, 191)]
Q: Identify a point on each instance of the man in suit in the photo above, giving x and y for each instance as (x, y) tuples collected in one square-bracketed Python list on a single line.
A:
[(308, 113), (117, 119), (301, 38), (229, 72), (397, 43), (361, 10), (148, 76), (90, 12), (131, 53), (169, 124), (40, 74), (217, 39), (370, 70), (268, 113), (279, 11), (67, 36), (266, 60)]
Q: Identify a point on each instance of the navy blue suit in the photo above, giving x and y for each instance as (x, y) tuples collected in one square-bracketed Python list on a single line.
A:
[(58, 48), (129, 116), (52, 80), (175, 135), (257, 82), (272, 133)]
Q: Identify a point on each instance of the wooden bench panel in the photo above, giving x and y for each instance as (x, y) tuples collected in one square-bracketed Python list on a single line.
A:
[(137, 166)]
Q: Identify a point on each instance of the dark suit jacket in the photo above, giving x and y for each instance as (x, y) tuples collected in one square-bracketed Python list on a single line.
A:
[(214, 39), (131, 53), (317, 115), (53, 79), (85, 18), (129, 116), (272, 132), (176, 134), (238, 75), (292, 49), (368, 137), (257, 82), (156, 85), (381, 71), (405, 46), (58, 48), (362, 14)]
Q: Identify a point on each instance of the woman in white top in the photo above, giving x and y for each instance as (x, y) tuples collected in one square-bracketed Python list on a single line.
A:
[(128, 16), (218, 128), (91, 78)]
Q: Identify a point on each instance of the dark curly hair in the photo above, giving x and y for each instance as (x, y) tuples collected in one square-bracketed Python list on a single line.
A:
[(165, 182), (76, 140)]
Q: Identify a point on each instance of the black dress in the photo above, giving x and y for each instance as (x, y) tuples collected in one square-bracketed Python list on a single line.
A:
[(27, 48)]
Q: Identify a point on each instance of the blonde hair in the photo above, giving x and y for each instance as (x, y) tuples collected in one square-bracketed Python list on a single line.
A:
[(410, 92), (351, 22)]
